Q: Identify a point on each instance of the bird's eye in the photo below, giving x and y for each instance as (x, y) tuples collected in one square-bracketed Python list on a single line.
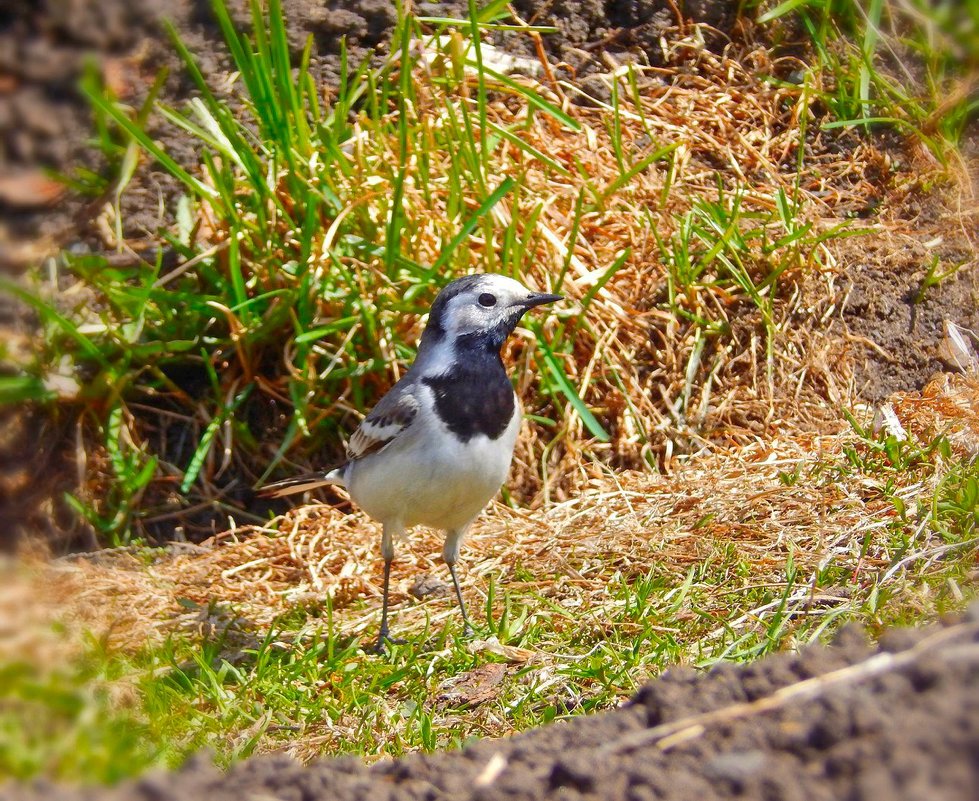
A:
[(487, 300)]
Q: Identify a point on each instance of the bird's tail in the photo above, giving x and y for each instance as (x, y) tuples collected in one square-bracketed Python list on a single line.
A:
[(309, 481)]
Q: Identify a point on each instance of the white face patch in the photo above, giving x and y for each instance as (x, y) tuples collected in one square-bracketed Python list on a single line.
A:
[(485, 306)]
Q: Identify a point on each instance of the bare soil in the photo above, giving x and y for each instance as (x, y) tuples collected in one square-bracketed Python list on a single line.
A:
[(885, 301), (849, 721)]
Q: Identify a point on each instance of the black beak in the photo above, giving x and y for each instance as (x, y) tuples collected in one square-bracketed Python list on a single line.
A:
[(539, 299)]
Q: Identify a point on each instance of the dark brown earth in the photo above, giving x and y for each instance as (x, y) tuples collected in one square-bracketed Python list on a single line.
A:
[(901, 321), (45, 122), (836, 723)]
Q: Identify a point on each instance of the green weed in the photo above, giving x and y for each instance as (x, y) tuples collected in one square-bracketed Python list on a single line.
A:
[(934, 276), (721, 250), (307, 244), (909, 65)]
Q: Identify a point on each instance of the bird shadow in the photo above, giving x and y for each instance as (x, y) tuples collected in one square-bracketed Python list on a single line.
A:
[(215, 636)]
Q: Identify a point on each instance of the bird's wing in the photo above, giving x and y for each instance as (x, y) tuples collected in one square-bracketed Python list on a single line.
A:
[(392, 415)]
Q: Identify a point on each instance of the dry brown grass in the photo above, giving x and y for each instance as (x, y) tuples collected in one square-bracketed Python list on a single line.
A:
[(654, 379), (621, 525), (948, 405)]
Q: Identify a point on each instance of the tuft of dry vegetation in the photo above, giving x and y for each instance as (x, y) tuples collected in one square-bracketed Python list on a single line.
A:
[(691, 215)]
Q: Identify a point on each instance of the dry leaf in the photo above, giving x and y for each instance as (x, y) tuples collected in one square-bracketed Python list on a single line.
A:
[(474, 687)]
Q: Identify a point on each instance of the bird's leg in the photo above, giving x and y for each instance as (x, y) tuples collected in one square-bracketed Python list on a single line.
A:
[(450, 553), (387, 551), (467, 630), (382, 635)]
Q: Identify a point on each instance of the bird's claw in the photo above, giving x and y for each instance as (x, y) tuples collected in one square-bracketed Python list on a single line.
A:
[(380, 648)]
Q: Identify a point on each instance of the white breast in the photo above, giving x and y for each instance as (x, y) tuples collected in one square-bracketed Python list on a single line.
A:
[(429, 477)]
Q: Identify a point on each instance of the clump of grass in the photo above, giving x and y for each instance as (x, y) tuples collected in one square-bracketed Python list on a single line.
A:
[(912, 65), (289, 293), (722, 248), (315, 232)]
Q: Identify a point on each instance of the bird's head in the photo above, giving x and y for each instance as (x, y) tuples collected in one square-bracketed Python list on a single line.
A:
[(480, 310)]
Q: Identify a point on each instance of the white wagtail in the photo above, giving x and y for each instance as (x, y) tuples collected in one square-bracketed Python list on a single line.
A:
[(439, 444)]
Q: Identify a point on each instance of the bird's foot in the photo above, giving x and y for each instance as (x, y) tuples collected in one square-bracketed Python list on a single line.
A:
[(380, 648)]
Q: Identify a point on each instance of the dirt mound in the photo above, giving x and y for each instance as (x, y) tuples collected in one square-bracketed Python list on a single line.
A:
[(846, 721)]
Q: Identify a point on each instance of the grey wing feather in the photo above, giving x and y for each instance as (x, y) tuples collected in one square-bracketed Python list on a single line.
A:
[(392, 415)]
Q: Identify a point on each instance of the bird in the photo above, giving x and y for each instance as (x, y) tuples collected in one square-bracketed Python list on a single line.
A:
[(438, 446)]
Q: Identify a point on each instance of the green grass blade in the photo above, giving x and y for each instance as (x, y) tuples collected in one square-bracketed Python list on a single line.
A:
[(569, 392), (22, 389), (781, 10), (476, 38), (529, 149), (114, 112), (531, 97), (340, 324), (613, 268), (867, 54), (204, 446), (506, 185), (637, 168), (49, 314)]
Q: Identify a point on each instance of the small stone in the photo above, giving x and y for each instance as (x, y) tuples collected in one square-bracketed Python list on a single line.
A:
[(428, 586)]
